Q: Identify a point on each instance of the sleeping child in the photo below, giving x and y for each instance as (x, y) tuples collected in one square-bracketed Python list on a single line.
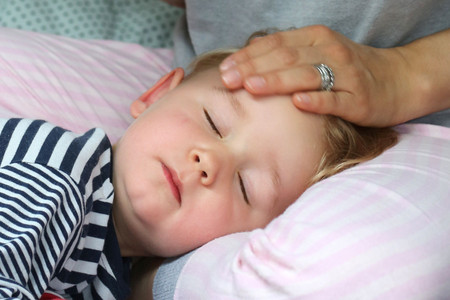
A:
[(199, 162)]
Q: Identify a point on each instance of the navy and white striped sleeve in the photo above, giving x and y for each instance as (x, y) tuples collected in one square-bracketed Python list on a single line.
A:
[(42, 204)]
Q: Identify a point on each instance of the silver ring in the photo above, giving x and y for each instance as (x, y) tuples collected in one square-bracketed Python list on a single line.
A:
[(327, 76)]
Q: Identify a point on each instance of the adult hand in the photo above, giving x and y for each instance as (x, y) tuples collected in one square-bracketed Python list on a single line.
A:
[(372, 87)]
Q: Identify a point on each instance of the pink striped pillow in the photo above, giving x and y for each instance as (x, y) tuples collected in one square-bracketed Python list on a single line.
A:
[(379, 230), (77, 84)]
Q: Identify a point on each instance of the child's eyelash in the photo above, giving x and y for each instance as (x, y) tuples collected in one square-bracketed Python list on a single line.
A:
[(211, 123), (244, 192)]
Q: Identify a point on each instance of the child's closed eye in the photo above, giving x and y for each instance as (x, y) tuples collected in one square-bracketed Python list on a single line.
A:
[(244, 192), (211, 123), (216, 130)]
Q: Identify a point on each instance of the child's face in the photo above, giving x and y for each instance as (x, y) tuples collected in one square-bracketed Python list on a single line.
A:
[(202, 162)]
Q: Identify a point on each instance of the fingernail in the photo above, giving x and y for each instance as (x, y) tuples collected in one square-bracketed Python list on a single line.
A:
[(303, 98), (232, 78), (256, 83), (228, 63)]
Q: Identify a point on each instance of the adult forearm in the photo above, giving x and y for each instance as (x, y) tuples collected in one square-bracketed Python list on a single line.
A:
[(427, 65)]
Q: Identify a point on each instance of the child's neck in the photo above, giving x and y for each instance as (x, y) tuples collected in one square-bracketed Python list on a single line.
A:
[(128, 246)]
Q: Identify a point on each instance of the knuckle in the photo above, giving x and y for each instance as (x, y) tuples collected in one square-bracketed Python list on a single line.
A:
[(319, 106), (275, 81), (341, 53), (247, 68), (322, 31), (273, 41), (312, 75), (286, 56), (242, 55)]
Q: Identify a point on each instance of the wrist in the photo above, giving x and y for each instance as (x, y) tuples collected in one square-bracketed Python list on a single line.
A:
[(391, 70), (427, 69), (410, 88)]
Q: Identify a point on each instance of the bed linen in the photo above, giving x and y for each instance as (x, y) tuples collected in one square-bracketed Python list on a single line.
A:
[(386, 221), (379, 230), (76, 84), (145, 22)]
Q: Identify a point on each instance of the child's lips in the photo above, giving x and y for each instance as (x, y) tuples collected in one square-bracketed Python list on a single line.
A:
[(174, 182)]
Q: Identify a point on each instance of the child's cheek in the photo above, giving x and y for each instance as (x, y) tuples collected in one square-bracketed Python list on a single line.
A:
[(184, 125)]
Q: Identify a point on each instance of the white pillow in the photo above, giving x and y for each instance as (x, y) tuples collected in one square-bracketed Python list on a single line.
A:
[(77, 84), (380, 230)]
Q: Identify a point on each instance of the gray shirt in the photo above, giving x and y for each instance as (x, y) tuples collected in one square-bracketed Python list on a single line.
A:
[(212, 24)]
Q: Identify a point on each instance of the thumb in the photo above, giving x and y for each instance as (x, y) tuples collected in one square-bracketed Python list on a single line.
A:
[(339, 104), (322, 102), (316, 102)]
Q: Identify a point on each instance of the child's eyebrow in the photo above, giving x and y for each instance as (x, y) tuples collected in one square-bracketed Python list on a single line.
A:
[(237, 106)]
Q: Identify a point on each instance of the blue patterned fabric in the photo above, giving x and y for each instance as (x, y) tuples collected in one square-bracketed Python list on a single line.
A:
[(146, 22)]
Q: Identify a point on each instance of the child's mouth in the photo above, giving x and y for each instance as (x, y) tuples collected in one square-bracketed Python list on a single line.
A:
[(173, 181)]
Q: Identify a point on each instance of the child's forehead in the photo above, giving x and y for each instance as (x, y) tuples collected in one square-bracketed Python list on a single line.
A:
[(209, 85)]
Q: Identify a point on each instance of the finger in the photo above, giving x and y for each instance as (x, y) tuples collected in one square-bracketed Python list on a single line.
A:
[(340, 104), (277, 59), (262, 46), (287, 81), (306, 36)]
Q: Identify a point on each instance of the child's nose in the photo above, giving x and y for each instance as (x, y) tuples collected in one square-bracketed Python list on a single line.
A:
[(207, 164)]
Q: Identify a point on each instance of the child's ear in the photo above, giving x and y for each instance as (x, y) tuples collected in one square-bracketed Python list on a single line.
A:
[(165, 84)]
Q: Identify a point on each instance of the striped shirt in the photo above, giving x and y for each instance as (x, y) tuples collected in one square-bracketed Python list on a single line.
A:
[(56, 198)]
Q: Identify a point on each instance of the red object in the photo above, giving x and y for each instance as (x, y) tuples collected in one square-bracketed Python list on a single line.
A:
[(49, 296)]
